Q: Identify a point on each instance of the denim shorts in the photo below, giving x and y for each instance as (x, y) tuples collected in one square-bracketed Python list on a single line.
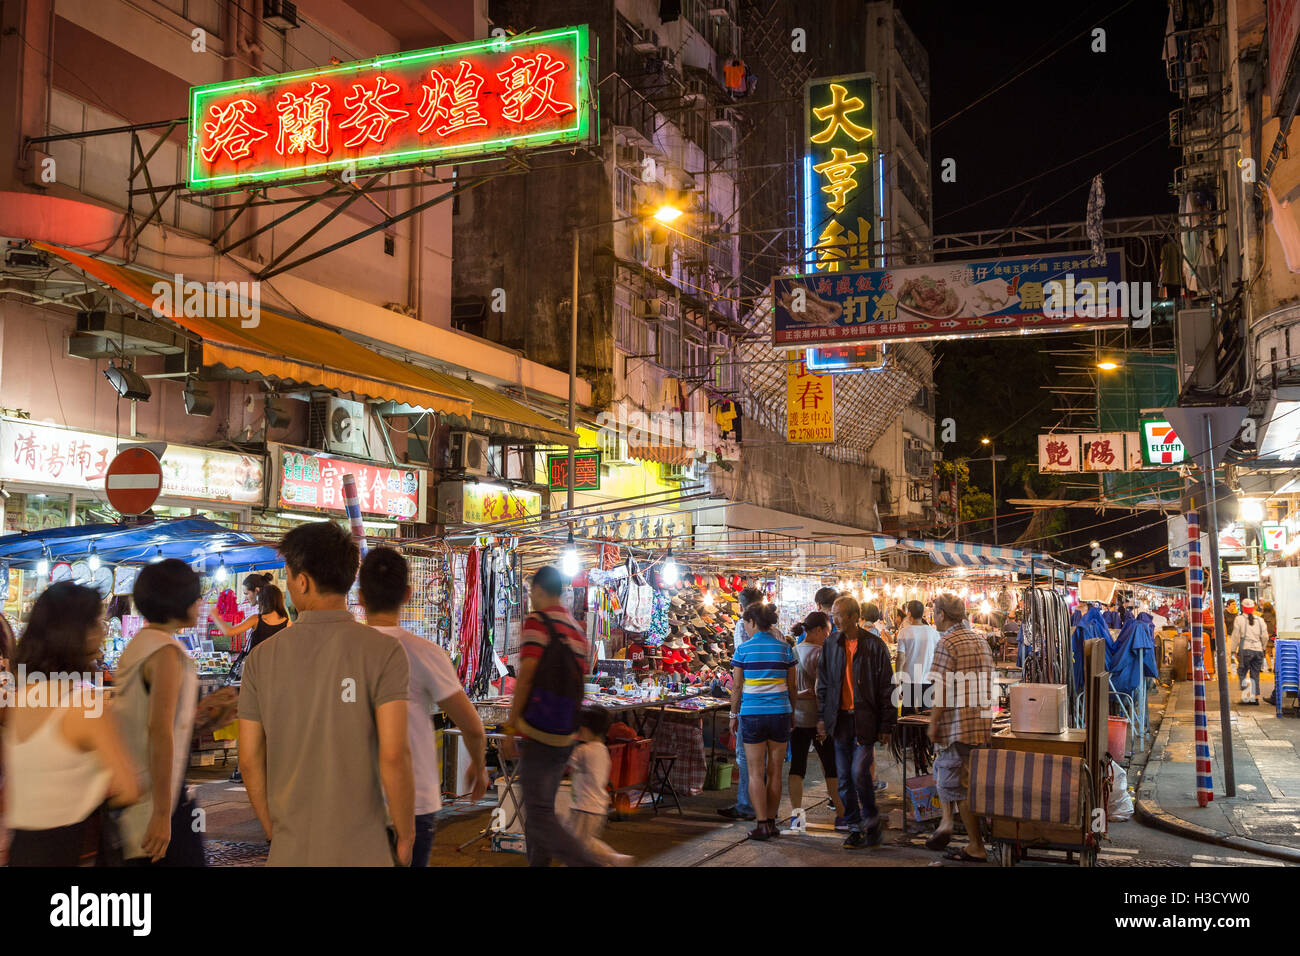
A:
[(760, 728)]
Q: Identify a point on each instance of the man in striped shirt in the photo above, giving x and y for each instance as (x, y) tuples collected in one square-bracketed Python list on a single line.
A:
[(544, 755), (743, 809)]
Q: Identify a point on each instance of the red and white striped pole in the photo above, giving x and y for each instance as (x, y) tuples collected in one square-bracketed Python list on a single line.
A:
[(1195, 598), (352, 503)]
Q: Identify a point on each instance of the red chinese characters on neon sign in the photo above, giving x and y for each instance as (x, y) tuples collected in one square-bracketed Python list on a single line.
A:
[(426, 106)]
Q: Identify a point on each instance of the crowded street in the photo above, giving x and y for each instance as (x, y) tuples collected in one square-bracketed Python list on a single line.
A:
[(498, 435)]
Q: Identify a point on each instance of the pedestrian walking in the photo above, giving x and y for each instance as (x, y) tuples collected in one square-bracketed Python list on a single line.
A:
[(763, 693), (589, 767), (960, 720), (64, 759), (1250, 638), (856, 709), (544, 711), (385, 590), (157, 689), (742, 809), (916, 643), (815, 630), (324, 732)]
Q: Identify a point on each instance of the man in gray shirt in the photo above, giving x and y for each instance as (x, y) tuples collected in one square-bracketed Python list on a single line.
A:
[(323, 737)]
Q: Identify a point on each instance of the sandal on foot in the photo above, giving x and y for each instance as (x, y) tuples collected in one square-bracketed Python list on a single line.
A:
[(938, 841), (961, 856)]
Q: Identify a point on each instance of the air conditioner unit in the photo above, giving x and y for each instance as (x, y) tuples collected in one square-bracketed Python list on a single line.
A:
[(281, 14), (338, 425), (668, 56), (468, 452), (647, 41), (936, 457), (679, 472)]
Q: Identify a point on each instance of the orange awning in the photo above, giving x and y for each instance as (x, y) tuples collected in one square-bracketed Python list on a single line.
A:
[(663, 454), (282, 347)]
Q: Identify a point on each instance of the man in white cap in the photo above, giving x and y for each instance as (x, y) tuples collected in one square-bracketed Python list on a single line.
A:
[(1250, 638)]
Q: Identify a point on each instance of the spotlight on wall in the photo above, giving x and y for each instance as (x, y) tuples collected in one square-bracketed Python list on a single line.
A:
[(198, 400), (277, 414), (127, 383)]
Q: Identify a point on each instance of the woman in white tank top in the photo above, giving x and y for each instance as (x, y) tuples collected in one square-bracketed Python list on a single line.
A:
[(63, 757)]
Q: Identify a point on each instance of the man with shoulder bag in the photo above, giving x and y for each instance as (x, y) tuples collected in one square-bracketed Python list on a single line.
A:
[(544, 712)]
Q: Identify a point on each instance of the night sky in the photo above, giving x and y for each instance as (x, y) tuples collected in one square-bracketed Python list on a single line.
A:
[(1113, 106)]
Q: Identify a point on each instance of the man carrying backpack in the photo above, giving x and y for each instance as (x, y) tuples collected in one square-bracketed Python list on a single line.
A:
[(544, 712)]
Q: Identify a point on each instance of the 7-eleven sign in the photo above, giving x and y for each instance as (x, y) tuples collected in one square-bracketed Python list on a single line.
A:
[(1160, 445)]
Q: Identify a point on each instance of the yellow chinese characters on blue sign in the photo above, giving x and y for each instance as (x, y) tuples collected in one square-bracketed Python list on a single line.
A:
[(841, 174)]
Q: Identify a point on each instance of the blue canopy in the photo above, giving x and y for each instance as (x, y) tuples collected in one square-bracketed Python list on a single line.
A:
[(189, 539)]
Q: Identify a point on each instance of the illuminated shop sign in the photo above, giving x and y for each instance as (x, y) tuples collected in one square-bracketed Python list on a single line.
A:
[(840, 176), (426, 106)]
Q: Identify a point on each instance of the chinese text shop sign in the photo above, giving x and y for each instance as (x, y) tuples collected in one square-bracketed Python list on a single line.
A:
[(840, 174), (486, 504), (427, 106), (46, 455), (586, 468), (1023, 295), (809, 403), (312, 481)]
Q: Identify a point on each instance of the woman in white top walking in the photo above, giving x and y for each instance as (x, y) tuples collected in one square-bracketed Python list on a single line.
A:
[(63, 757), (157, 692)]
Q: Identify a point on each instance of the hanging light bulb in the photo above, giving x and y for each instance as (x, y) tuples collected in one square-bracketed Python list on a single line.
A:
[(157, 555), (569, 563), (93, 561), (671, 573), (985, 607), (221, 572), (708, 597), (43, 565)]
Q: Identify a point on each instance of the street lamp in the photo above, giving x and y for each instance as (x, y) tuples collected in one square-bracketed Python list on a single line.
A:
[(1107, 365), (664, 214), (994, 459)]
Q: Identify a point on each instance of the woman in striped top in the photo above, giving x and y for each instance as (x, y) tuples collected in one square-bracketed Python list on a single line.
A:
[(762, 709)]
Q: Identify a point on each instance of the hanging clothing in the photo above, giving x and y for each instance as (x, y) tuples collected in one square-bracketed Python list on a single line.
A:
[(733, 74)]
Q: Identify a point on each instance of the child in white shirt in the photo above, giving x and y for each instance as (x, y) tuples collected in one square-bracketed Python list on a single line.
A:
[(589, 766)]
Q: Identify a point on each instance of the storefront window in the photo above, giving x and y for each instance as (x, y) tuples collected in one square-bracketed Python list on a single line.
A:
[(35, 512)]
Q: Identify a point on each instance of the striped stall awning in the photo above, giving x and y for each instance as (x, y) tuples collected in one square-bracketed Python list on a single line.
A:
[(955, 554), (663, 454)]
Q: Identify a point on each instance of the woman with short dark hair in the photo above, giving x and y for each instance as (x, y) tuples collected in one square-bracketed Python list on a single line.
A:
[(815, 629), (158, 689), (63, 756)]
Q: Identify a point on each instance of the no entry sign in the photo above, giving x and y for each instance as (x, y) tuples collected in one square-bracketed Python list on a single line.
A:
[(133, 481)]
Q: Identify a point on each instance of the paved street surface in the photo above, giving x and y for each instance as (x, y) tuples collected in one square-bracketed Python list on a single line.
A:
[(1266, 761), (701, 838)]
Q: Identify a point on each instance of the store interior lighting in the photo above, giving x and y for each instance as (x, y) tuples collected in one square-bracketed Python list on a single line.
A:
[(569, 563), (198, 400), (671, 572), (127, 383), (277, 415)]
